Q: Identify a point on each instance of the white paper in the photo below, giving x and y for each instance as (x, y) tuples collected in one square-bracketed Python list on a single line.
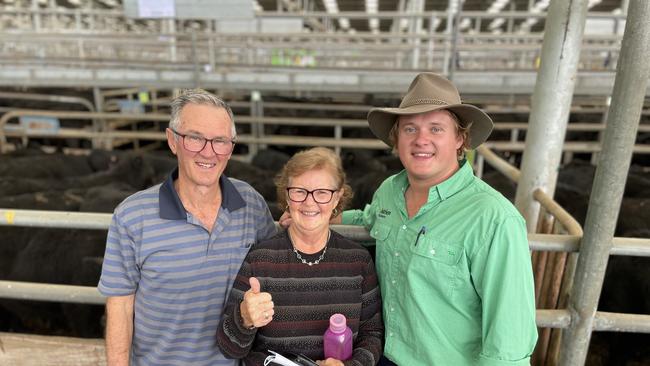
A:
[(156, 8), (279, 360)]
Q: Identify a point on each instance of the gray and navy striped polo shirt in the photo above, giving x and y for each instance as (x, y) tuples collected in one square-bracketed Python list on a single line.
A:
[(180, 273)]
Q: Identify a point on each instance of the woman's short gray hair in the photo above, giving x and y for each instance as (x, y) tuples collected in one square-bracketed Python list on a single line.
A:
[(197, 96)]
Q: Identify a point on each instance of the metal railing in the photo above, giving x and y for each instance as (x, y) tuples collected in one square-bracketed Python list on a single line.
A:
[(553, 318), (64, 99), (555, 270), (107, 136), (92, 38), (550, 319), (195, 52)]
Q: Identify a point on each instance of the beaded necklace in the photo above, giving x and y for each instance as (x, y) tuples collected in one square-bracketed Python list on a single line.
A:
[(303, 260)]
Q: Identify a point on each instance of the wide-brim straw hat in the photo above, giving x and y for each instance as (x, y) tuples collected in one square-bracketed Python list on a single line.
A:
[(429, 92)]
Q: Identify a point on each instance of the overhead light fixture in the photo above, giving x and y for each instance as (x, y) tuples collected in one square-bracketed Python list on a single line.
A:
[(332, 7), (496, 8), (258, 8), (372, 7)]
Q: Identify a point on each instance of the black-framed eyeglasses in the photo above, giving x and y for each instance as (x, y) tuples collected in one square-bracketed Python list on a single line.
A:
[(195, 143), (320, 195)]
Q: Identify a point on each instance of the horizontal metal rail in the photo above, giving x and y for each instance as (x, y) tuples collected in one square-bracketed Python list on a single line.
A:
[(90, 295), (281, 140), (620, 322), (54, 219), (570, 146), (582, 105), (100, 221), (119, 13), (49, 98), (572, 226), (388, 51), (50, 292), (495, 161)]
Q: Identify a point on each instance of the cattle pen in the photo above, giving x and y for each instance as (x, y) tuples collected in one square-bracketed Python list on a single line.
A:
[(564, 240), (544, 64)]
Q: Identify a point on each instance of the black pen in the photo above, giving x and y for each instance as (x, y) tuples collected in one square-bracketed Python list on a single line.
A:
[(423, 231)]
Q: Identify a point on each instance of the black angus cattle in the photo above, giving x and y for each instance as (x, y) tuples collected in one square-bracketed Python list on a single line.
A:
[(131, 169), (36, 164), (58, 256), (270, 160), (258, 178), (62, 256), (70, 256), (626, 288), (626, 281)]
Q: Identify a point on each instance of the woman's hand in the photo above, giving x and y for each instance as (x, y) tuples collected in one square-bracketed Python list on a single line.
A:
[(257, 307), (285, 220), (330, 362)]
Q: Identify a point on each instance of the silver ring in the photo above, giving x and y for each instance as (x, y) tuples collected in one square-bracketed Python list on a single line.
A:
[(266, 315)]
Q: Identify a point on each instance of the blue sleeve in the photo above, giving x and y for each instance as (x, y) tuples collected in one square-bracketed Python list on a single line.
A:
[(120, 274)]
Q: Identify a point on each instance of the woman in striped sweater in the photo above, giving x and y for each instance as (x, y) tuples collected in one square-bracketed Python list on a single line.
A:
[(289, 285)]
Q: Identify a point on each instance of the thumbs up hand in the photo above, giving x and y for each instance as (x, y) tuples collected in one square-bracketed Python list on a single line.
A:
[(255, 285), (257, 307)]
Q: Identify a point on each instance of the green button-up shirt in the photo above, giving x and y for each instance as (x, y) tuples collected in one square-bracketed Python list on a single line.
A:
[(456, 278)]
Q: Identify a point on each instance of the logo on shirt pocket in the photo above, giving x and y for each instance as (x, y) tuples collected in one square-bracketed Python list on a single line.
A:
[(383, 213), (438, 262)]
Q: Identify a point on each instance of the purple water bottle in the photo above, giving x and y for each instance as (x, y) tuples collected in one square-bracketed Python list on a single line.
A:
[(337, 340)]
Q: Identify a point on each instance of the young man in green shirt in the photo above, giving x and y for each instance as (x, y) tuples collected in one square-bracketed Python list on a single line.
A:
[(452, 253)]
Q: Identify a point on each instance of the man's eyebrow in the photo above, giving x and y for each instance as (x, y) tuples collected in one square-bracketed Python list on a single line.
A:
[(197, 133), (194, 132)]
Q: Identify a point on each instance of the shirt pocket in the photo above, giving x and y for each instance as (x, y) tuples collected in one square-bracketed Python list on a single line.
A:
[(436, 263), (381, 234)]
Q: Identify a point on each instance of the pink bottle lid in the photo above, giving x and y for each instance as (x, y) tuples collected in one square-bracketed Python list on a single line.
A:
[(337, 323)]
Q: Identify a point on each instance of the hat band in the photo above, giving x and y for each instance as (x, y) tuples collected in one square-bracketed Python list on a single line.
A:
[(423, 101)]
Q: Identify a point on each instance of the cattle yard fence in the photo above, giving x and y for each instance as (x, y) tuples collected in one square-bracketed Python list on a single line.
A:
[(109, 130), (554, 249)]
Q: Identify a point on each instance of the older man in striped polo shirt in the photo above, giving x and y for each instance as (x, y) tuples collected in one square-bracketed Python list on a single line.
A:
[(173, 250)]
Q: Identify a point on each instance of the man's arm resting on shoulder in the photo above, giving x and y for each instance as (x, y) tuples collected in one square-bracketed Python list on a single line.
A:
[(119, 329), (365, 217)]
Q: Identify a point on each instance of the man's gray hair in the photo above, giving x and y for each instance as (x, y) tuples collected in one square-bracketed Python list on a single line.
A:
[(198, 96)]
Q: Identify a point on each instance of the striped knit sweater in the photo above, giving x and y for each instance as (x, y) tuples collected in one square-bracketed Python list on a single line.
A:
[(305, 297)]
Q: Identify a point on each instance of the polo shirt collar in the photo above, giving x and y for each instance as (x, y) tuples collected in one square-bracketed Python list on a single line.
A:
[(459, 180), (171, 207)]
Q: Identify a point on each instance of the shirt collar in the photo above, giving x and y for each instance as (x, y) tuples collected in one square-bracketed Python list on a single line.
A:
[(459, 180), (456, 182), (171, 207)]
